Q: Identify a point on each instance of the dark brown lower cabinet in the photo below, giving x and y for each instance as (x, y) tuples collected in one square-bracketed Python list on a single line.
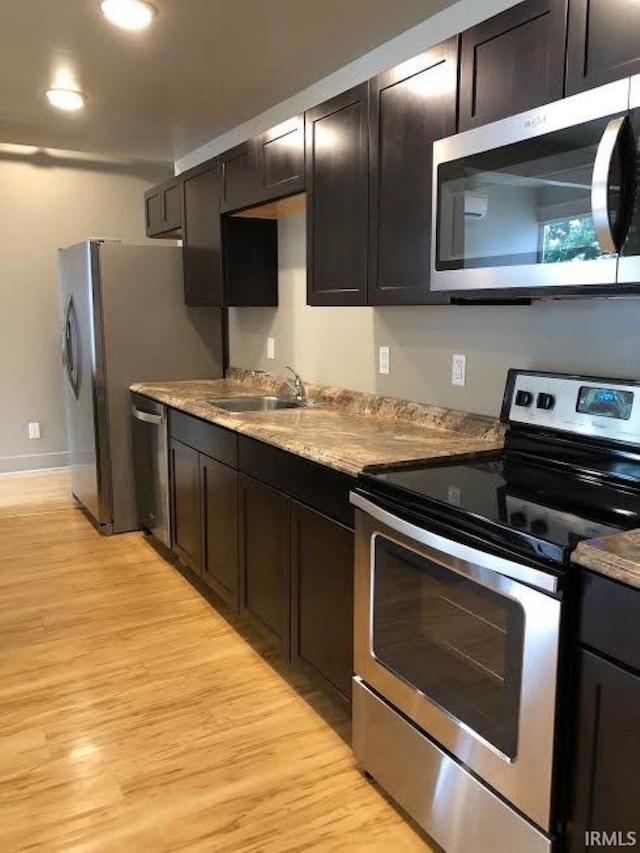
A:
[(607, 767), (264, 560), (219, 485), (185, 504), (322, 599)]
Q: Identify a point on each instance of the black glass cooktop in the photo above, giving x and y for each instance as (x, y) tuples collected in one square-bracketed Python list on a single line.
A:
[(534, 508)]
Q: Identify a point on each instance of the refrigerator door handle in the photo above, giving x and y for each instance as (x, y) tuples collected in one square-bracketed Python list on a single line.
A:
[(70, 340)]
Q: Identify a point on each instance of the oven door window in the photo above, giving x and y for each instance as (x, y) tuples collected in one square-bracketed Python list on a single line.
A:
[(528, 203), (457, 642)]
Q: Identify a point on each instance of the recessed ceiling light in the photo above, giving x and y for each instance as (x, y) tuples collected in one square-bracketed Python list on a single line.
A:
[(128, 14), (66, 99)]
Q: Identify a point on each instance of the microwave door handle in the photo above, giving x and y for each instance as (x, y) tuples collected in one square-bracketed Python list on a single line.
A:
[(600, 184)]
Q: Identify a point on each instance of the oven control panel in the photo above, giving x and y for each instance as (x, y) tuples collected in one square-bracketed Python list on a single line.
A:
[(607, 408)]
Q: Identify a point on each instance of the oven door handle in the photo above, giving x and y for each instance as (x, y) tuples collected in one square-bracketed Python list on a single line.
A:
[(516, 571)]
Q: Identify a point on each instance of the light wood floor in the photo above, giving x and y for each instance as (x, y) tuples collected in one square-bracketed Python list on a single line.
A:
[(35, 491), (133, 717)]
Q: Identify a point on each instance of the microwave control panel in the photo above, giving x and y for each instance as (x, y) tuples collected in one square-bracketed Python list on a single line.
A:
[(606, 408)]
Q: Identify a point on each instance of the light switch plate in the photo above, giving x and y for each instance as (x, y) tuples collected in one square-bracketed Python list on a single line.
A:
[(34, 430), (383, 361), (271, 347), (459, 370)]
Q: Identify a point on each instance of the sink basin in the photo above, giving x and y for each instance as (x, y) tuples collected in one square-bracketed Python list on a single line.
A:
[(257, 404)]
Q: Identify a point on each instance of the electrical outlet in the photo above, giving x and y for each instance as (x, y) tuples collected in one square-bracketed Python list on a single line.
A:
[(34, 430), (459, 370), (383, 360), (271, 347)]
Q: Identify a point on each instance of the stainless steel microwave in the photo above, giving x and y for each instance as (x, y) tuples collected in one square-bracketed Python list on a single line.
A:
[(543, 201)]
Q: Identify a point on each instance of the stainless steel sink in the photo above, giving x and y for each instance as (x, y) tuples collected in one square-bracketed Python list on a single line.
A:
[(238, 405)]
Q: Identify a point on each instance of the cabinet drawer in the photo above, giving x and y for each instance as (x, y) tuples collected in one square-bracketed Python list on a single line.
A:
[(609, 618), (214, 441), (315, 485)]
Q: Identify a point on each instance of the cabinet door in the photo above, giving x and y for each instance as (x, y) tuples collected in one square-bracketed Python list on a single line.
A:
[(201, 253), (153, 221), (281, 159), (185, 504), (264, 560), (250, 249), (337, 199), (322, 599), (410, 107), (240, 176), (163, 208), (607, 754), (512, 62), (603, 43), (219, 485), (172, 206)]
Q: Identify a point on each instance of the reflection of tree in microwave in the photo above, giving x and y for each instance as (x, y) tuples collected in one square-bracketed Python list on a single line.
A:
[(571, 239)]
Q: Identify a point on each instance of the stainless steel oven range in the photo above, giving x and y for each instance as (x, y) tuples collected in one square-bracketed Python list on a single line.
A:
[(463, 603)]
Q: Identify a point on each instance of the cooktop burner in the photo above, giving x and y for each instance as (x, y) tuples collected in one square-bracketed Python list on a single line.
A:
[(570, 471)]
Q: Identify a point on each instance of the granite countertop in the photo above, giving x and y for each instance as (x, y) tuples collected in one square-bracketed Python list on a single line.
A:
[(617, 556), (348, 432)]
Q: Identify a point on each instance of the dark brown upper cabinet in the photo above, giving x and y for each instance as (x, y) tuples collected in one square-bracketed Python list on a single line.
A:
[(240, 176), (411, 106), (263, 168), (163, 209), (603, 43), (250, 261), (281, 160), (201, 232), (337, 199), (513, 62)]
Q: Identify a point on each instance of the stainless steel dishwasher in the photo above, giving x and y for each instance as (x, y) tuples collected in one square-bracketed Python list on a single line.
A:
[(151, 466)]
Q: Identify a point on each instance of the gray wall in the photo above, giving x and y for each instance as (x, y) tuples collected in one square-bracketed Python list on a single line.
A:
[(50, 200), (339, 345)]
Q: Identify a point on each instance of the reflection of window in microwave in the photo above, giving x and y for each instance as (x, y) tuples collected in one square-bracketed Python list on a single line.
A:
[(465, 624), (533, 211)]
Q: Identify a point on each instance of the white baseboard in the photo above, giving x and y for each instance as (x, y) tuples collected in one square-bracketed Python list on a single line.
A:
[(33, 462)]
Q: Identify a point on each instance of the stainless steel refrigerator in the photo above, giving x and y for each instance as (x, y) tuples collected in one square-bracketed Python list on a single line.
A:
[(123, 320)]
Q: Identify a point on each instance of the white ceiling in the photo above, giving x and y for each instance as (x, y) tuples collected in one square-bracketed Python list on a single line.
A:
[(205, 66)]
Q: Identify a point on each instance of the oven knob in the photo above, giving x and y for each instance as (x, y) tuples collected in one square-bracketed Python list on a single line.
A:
[(518, 519), (546, 401), (539, 526), (524, 398)]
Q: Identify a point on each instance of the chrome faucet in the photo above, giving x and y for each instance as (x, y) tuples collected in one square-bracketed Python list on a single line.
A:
[(297, 386)]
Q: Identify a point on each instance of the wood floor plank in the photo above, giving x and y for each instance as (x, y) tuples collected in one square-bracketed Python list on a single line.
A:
[(134, 717)]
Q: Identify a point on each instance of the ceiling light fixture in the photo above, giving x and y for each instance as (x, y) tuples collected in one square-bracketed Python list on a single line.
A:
[(66, 99), (132, 15)]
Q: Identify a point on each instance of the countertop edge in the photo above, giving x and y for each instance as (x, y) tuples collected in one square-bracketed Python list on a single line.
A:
[(597, 556)]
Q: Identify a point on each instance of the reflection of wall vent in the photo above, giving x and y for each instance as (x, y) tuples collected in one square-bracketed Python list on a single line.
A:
[(475, 206)]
